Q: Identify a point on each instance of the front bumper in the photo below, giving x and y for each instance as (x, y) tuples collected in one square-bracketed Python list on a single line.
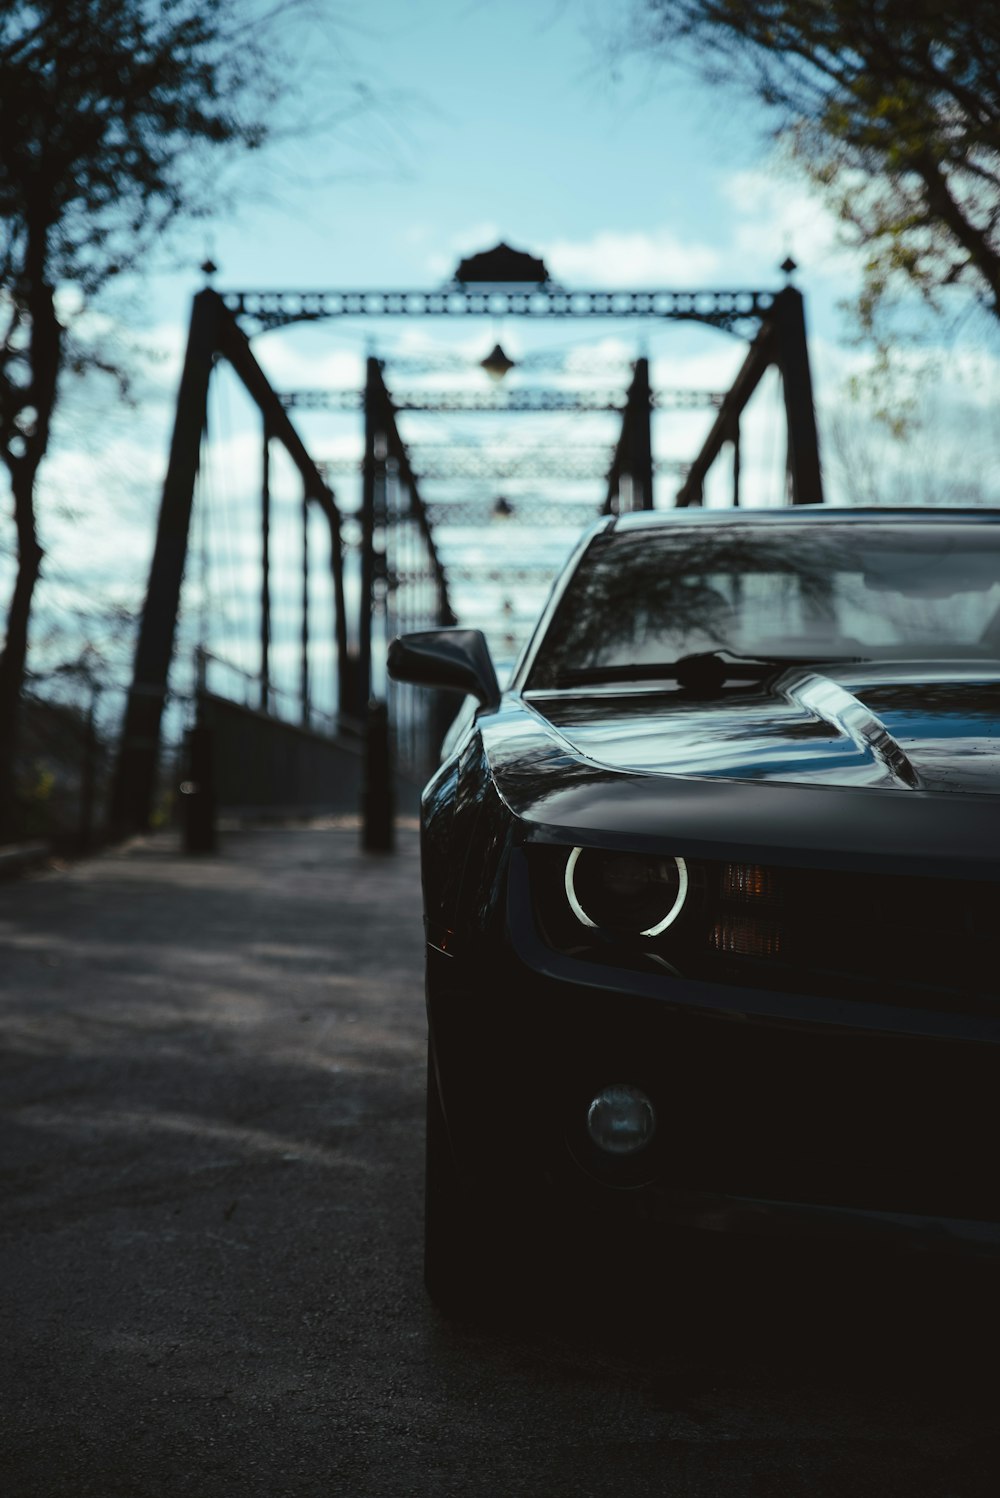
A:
[(752, 1217), (776, 1115)]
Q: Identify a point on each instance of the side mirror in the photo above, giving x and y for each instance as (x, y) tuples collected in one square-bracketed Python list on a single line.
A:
[(456, 659)]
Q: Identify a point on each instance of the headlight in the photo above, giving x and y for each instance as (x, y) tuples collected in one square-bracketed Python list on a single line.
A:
[(636, 893)]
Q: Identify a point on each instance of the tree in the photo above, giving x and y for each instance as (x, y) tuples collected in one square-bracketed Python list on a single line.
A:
[(893, 108), (111, 112)]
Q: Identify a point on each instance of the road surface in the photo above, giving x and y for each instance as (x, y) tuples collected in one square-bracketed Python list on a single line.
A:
[(210, 1143)]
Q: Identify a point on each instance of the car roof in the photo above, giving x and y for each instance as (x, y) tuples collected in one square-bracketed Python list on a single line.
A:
[(798, 514)]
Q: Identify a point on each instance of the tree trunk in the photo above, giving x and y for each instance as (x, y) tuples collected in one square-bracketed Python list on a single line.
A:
[(24, 447), (13, 659)]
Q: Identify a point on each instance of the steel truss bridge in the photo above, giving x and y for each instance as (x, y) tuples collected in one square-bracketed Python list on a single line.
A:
[(385, 572)]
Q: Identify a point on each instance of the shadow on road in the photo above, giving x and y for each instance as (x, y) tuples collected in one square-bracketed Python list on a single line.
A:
[(211, 1130)]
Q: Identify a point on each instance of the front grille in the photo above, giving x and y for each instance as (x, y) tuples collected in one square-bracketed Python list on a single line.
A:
[(922, 936)]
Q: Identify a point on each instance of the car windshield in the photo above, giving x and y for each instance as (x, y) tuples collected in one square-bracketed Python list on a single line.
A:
[(878, 590)]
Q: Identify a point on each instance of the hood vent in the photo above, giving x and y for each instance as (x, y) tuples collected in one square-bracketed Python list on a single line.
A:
[(846, 713)]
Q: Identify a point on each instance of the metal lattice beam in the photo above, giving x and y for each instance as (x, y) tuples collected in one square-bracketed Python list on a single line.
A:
[(567, 362), (733, 311), (524, 512), (450, 462), (488, 400), (480, 573), (444, 464)]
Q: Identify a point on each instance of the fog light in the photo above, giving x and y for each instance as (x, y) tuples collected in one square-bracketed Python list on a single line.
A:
[(621, 1120)]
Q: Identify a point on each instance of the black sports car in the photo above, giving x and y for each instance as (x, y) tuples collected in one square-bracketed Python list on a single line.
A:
[(712, 890)]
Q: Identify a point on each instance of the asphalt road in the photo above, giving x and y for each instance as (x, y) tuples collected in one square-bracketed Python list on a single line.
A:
[(211, 1120)]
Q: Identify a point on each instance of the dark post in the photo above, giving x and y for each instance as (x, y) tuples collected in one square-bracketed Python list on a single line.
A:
[(265, 575), (88, 772), (377, 808), (197, 790), (633, 458), (639, 417), (340, 615), (377, 800), (132, 793), (792, 357), (363, 686), (736, 461), (304, 670)]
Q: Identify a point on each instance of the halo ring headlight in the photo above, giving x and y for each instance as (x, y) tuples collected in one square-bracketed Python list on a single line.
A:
[(675, 897)]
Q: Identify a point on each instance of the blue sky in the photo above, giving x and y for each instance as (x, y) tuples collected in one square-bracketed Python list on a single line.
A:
[(484, 121), (508, 119)]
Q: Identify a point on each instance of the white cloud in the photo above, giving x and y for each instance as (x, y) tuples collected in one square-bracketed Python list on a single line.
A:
[(653, 257), (295, 363), (714, 368), (775, 217)]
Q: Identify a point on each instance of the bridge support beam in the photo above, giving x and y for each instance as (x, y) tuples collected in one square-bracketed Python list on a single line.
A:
[(213, 332), (135, 775), (403, 586), (781, 341), (792, 358), (630, 477), (265, 573)]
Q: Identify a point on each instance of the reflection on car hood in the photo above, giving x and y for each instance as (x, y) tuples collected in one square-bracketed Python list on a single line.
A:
[(933, 726)]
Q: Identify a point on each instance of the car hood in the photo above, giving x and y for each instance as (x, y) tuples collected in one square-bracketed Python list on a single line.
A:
[(804, 771), (929, 726)]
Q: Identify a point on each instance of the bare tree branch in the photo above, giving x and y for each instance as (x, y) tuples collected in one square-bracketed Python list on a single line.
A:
[(892, 107)]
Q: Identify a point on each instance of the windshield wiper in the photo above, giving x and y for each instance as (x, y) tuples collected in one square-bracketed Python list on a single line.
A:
[(703, 669)]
